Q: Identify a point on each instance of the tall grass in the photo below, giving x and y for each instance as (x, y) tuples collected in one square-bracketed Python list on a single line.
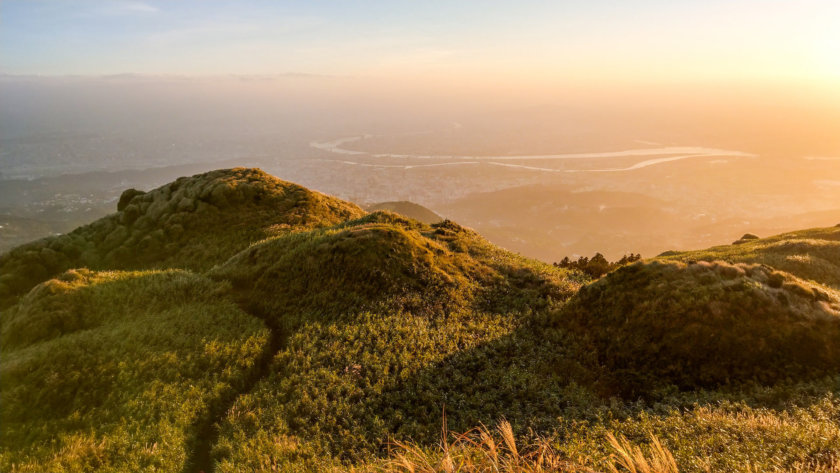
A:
[(496, 450), (484, 450), (631, 458)]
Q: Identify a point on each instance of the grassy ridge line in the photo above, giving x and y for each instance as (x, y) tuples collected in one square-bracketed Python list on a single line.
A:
[(812, 255)]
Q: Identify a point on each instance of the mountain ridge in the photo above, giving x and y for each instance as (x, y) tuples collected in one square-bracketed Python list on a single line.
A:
[(171, 225)]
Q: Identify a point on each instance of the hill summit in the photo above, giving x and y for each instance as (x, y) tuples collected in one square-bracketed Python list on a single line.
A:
[(193, 222)]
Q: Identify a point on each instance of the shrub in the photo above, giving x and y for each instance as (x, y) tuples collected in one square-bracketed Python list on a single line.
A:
[(598, 265)]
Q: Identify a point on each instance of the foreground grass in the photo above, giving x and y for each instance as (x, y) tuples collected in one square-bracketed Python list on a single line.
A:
[(485, 450), (116, 371), (723, 436), (707, 442)]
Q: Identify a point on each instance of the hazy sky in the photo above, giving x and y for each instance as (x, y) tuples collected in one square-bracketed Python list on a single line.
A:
[(630, 39)]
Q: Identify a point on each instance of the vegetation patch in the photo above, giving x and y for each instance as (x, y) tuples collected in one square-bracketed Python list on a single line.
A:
[(113, 371), (704, 325), (598, 265), (384, 262)]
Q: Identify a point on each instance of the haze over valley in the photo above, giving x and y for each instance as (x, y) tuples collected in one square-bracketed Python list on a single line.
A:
[(569, 173)]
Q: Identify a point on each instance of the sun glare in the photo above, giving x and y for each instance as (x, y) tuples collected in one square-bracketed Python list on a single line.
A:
[(830, 55)]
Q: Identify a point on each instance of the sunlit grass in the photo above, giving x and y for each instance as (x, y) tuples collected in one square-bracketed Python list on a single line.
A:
[(812, 255), (142, 360), (382, 323), (497, 450)]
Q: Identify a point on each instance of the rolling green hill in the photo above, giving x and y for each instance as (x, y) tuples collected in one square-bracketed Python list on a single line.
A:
[(704, 325), (283, 330)]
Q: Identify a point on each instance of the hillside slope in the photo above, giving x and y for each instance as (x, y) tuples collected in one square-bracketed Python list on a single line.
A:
[(191, 223), (371, 309), (704, 325), (305, 335)]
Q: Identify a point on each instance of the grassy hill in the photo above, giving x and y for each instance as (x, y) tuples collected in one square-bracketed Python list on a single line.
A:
[(704, 325), (191, 223), (290, 331), (372, 307)]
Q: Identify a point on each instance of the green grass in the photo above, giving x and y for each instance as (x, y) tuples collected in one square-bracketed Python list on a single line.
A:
[(725, 436), (306, 335), (376, 310), (192, 223), (388, 263), (658, 324), (113, 371)]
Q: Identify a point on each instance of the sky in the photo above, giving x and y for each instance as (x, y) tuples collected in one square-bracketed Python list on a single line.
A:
[(628, 40)]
